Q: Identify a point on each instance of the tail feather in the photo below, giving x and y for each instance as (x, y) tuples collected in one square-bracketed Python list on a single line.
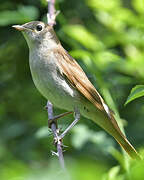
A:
[(125, 144), (122, 140), (110, 125)]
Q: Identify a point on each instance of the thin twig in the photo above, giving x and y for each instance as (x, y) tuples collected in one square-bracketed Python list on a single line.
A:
[(55, 131), (52, 13)]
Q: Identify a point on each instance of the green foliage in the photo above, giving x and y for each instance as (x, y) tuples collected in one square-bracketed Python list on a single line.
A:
[(43, 132), (80, 34), (107, 39), (138, 5), (85, 135), (136, 92), (21, 15)]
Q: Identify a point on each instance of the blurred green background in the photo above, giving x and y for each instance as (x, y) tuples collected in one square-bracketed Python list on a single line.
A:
[(107, 39)]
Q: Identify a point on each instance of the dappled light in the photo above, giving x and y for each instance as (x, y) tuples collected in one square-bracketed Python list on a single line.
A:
[(106, 37)]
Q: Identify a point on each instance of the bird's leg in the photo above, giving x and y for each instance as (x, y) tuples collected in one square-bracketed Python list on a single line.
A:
[(52, 122), (53, 119), (77, 117)]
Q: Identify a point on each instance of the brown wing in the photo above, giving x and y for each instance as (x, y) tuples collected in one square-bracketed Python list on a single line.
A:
[(78, 78), (69, 67)]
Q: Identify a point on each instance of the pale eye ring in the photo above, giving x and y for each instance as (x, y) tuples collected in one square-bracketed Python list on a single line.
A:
[(39, 27)]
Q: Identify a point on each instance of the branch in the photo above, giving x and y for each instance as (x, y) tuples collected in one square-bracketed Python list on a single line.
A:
[(55, 131), (52, 13)]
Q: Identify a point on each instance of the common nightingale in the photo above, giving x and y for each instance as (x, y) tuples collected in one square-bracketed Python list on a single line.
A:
[(61, 80)]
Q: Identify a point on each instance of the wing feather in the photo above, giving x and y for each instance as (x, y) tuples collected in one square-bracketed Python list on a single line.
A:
[(74, 73), (76, 76)]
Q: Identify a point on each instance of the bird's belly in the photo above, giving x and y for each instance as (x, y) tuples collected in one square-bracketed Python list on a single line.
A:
[(53, 86)]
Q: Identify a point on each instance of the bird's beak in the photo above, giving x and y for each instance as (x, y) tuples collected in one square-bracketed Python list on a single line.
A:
[(19, 27)]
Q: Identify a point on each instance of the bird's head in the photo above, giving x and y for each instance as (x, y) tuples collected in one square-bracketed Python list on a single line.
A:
[(38, 33)]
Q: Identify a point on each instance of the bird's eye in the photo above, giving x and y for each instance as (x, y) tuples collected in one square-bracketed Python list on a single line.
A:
[(39, 27)]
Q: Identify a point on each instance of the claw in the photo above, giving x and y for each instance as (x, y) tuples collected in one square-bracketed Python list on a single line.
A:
[(45, 107), (57, 140)]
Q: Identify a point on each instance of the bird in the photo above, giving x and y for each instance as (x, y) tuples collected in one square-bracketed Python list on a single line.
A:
[(61, 80)]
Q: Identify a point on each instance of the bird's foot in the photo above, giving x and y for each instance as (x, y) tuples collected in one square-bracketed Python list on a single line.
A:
[(55, 118), (77, 118)]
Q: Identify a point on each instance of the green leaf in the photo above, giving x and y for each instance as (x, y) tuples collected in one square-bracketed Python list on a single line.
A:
[(136, 92), (138, 5), (113, 173), (118, 156)]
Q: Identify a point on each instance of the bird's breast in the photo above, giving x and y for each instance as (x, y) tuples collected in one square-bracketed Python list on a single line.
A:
[(50, 82)]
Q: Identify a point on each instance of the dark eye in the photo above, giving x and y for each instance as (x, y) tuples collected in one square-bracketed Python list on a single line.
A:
[(39, 27)]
